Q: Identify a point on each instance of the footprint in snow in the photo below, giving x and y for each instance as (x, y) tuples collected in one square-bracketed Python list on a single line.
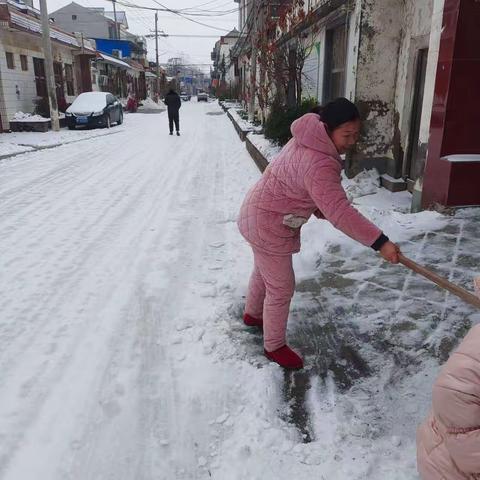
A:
[(222, 418), (183, 325), (217, 244), (208, 292), (244, 452), (208, 347)]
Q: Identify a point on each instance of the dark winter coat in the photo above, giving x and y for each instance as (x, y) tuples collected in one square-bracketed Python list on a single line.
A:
[(173, 101)]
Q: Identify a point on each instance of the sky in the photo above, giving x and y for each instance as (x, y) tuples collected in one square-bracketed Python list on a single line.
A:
[(195, 50)]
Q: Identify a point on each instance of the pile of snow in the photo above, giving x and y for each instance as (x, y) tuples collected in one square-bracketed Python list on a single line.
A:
[(231, 104), (150, 104), (243, 124), (28, 117), (266, 147), (366, 182)]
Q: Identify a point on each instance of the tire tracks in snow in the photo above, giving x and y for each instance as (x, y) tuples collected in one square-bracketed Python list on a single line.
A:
[(42, 331)]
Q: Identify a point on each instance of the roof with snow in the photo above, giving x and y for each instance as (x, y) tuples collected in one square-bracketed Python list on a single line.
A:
[(114, 61)]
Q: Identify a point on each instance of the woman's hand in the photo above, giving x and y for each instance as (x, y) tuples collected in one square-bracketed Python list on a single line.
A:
[(390, 251)]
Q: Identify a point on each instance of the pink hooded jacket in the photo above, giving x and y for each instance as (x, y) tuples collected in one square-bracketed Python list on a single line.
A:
[(303, 179), (448, 442)]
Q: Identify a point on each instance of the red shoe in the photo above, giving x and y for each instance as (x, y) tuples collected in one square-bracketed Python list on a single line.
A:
[(252, 322), (286, 358)]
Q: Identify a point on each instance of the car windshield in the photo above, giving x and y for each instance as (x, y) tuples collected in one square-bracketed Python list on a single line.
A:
[(89, 102)]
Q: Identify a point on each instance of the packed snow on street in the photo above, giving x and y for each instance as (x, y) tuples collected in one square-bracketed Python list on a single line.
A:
[(122, 349)]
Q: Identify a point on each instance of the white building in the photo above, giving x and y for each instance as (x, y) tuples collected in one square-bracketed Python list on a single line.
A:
[(225, 71), (93, 22)]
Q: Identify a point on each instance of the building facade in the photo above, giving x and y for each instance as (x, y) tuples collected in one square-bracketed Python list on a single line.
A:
[(388, 57), (93, 22), (120, 64), (225, 71), (22, 68)]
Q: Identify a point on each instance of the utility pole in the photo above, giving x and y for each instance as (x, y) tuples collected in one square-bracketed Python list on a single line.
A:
[(156, 55), (117, 33), (49, 72), (253, 66)]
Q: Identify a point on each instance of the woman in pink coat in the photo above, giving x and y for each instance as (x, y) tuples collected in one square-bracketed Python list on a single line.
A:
[(304, 179), (448, 442)]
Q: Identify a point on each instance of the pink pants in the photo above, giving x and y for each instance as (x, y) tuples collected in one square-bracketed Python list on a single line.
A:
[(270, 291)]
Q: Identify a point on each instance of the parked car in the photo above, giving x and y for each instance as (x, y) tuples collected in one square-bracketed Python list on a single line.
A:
[(202, 97), (185, 96), (94, 109)]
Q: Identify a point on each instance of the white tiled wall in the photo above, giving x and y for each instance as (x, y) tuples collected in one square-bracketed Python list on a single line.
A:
[(18, 86)]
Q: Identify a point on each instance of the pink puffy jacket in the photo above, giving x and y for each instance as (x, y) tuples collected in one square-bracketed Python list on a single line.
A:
[(448, 442), (303, 179)]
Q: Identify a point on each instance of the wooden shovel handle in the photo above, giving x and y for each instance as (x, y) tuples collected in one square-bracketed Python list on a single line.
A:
[(440, 281)]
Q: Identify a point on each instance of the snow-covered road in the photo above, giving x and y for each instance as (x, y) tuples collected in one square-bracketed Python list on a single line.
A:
[(122, 351), (115, 258)]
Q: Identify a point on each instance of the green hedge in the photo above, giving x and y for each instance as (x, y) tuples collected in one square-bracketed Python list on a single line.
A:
[(277, 126)]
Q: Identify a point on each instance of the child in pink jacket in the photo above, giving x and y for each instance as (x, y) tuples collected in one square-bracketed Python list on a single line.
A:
[(304, 179), (448, 442)]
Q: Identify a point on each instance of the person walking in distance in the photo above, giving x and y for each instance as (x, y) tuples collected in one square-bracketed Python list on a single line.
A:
[(173, 103)]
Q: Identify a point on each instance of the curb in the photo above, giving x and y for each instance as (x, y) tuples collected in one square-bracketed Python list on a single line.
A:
[(241, 133), (260, 160)]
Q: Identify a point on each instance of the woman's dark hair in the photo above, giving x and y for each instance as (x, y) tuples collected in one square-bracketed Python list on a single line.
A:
[(337, 112)]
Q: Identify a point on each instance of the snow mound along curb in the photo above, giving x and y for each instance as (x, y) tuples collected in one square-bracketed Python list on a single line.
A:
[(28, 117), (365, 183)]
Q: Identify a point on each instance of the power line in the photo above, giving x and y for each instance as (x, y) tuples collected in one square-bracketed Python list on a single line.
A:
[(179, 35), (207, 3), (188, 65), (191, 19), (208, 13)]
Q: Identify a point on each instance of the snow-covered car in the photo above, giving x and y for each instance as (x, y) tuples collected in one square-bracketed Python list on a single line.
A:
[(185, 96), (94, 109), (202, 97)]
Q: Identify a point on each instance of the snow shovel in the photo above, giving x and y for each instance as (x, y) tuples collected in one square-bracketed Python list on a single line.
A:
[(443, 282)]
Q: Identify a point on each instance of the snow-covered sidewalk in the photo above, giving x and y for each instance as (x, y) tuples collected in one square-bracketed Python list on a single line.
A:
[(21, 142), (122, 350)]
